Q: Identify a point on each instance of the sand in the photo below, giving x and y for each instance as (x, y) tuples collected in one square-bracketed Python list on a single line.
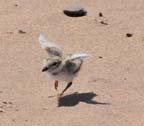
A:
[(109, 90)]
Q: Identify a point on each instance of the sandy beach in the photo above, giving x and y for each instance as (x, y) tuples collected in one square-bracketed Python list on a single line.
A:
[(109, 90)]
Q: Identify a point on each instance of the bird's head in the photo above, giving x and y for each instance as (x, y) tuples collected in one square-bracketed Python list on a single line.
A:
[(51, 64)]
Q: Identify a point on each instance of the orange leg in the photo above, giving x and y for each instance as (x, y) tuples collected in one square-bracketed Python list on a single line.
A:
[(56, 85), (68, 85), (56, 88)]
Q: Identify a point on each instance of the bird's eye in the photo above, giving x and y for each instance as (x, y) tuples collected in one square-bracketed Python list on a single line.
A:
[(55, 63)]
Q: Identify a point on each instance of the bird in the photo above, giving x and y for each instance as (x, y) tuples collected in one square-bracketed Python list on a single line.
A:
[(59, 66)]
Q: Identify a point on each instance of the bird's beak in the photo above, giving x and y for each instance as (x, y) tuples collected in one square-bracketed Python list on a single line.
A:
[(44, 69)]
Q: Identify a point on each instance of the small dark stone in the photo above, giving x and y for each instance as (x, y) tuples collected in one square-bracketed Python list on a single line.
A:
[(16, 5), (100, 14), (4, 102), (100, 57), (21, 31), (1, 111), (79, 12), (104, 23), (129, 35)]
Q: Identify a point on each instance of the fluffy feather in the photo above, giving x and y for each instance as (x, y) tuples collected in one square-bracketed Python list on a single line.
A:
[(46, 44), (50, 47), (79, 56)]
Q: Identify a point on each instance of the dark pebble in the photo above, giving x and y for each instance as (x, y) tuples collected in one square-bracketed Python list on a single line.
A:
[(21, 31), (4, 102), (129, 35), (100, 14), (100, 57), (104, 23), (75, 13), (16, 5)]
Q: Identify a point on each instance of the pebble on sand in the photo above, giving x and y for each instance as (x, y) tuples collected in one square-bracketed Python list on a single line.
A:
[(100, 14), (21, 31), (75, 12), (129, 35), (1, 111), (16, 5), (100, 57), (104, 23)]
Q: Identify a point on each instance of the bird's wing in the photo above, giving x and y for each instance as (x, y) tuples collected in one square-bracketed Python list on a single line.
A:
[(72, 63), (50, 47), (78, 56), (72, 66)]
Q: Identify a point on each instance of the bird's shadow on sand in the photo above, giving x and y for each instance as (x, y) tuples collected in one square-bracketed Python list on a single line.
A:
[(74, 99)]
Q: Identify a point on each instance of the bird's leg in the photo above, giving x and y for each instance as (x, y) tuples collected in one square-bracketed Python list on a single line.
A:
[(56, 88), (68, 85), (56, 85)]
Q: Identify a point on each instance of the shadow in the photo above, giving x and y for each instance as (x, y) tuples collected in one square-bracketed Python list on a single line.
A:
[(75, 98)]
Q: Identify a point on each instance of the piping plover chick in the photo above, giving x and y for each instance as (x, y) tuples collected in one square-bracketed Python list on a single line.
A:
[(58, 66)]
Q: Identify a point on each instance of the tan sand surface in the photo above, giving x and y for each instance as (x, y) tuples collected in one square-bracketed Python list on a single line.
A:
[(109, 90)]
